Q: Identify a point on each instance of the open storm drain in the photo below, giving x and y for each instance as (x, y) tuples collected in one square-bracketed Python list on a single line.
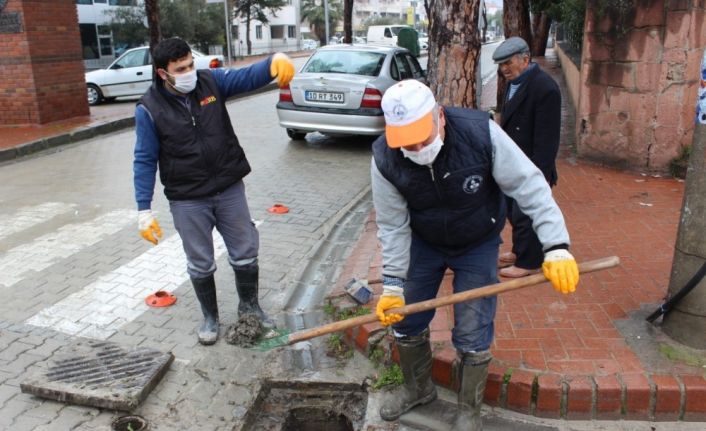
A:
[(300, 406)]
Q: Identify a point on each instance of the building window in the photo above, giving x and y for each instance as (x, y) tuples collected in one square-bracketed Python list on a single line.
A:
[(234, 31), (84, 1), (258, 32), (122, 3), (106, 46), (89, 41), (291, 31), (277, 32)]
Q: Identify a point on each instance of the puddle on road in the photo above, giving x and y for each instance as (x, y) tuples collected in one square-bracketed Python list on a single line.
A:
[(307, 406)]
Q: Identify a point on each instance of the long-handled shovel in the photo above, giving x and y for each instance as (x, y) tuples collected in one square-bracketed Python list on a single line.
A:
[(493, 289)]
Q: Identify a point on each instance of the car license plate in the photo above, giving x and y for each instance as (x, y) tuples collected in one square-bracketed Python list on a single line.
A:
[(323, 96)]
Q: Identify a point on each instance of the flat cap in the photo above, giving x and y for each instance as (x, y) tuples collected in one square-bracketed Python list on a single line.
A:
[(510, 47)]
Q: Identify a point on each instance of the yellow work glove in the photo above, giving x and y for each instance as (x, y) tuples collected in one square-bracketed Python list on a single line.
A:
[(392, 297), (282, 68), (149, 228), (560, 268)]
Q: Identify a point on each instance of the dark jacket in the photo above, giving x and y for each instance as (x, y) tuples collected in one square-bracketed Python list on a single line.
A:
[(532, 118), (199, 154), (455, 204)]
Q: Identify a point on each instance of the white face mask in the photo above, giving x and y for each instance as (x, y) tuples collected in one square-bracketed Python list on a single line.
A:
[(426, 155), (184, 83)]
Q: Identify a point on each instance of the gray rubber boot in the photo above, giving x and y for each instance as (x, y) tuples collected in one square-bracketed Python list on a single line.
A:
[(205, 289), (418, 388), (474, 373), (246, 281)]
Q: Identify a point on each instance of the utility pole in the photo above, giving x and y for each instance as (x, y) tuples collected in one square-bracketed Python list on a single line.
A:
[(228, 38), (686, 322), (326, 19)]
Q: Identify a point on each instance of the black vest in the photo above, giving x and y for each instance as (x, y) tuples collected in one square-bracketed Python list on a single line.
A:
[(455, 204), (199, 154)]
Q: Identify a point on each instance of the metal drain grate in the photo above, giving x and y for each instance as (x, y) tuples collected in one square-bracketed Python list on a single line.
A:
[(100, 374)]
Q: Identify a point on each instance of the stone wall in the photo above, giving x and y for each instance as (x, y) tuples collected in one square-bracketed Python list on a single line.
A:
[(572, 74), (639, 82), (40, 62)]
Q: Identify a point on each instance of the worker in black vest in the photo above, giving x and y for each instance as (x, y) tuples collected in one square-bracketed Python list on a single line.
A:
[(439, 176), (531, 116), (183, 126)]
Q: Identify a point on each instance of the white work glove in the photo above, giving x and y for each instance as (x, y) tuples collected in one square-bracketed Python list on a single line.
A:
[(560, 268), (392, 297), (148, 226)]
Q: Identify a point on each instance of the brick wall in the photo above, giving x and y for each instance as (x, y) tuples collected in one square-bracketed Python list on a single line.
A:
[(41, 66), (639, 83)]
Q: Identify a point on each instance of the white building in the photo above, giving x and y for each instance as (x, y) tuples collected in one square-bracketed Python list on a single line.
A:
[(282, 33), (96, 37)]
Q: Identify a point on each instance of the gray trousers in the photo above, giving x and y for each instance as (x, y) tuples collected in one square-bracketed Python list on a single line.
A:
[(228, 212)]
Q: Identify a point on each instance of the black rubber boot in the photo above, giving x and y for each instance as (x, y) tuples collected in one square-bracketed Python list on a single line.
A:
[(246, 281), (418, 388), (474, 373), (205, 289)]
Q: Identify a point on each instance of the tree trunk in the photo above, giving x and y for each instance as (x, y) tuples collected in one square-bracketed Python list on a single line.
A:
[(541, 23), (454, 50), (152, 12), (347, 21), (516, 22), (248, 42)]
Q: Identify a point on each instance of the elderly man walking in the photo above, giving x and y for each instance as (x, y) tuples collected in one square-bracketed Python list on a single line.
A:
[(531, 116)]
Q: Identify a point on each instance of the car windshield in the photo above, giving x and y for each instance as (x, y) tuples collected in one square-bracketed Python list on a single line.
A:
[(349, 62)]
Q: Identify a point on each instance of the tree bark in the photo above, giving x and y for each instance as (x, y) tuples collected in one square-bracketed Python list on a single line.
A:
[(248, 42), (541, 23), (454, 50), (516, 22), (152, 12), (347, 21)]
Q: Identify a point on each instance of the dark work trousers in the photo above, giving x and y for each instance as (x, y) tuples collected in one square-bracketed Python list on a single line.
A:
[(477, 267), (525, 243), (228, 212)]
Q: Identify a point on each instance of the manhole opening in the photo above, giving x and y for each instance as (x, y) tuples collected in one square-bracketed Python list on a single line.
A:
[(314, 419), (129, 423), (307, 406)]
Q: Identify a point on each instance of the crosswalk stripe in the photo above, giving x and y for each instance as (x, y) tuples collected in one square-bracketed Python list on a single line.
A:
[(26, 217), (101, 308), (48, 249)]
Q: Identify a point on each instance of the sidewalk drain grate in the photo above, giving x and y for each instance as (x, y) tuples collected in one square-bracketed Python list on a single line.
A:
[(100, 374), (305, 406)]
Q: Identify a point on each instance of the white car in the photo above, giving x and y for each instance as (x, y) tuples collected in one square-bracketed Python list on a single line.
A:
[(131, 74), (424, 43), (309, 44), (339, 89)]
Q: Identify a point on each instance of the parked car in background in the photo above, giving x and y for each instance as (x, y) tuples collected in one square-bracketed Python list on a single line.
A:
[(309, 44), (131, 74), (384, 34), (339, 90), (423, 43), (360, 40)]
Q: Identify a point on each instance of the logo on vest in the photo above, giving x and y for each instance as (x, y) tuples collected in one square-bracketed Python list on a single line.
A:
[(207, 100), (472, 184)]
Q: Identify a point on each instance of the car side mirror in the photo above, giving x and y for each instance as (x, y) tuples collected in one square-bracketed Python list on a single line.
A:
[(116, 66)]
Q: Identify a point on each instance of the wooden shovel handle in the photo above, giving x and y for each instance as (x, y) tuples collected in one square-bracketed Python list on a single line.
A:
[(493, 289)]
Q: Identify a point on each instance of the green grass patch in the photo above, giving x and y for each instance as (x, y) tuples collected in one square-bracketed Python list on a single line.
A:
[(390, 375), (338, 348), (507, 375), (682, 355)]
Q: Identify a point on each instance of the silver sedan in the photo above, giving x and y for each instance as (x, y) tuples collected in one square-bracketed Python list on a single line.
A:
[(339, 90)]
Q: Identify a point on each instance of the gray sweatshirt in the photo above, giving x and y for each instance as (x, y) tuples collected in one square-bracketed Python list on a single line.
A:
[(514, 173)]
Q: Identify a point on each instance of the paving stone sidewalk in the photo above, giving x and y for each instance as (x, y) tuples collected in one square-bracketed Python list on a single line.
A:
[(589, 355)]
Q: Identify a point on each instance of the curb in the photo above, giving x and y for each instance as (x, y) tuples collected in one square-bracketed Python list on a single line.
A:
[(88, 132)]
